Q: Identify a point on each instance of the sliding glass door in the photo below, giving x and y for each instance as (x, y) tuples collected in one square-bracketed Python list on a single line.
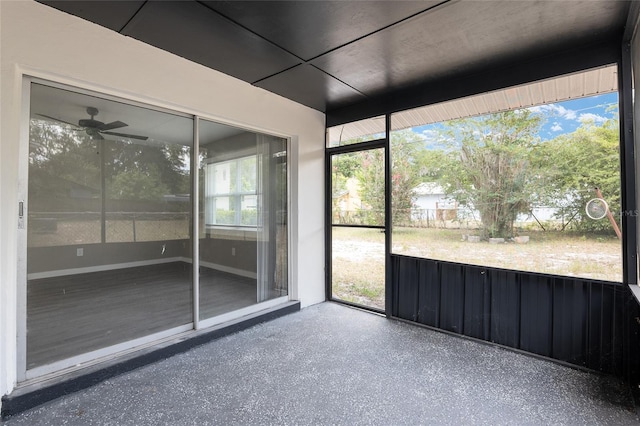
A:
[(242, 218), (109, 221), (108, 218)]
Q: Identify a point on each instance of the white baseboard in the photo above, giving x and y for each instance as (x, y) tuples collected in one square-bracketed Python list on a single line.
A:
[(116, 266), (100, 268), (234, 271)]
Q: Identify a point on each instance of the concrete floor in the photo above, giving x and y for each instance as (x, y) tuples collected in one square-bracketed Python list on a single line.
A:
[(330, 364)]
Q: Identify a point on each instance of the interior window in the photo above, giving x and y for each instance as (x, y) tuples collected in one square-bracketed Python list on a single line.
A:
[(230, 192)]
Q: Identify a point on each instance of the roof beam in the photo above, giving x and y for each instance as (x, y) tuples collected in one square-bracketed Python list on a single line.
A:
[(525, 71)]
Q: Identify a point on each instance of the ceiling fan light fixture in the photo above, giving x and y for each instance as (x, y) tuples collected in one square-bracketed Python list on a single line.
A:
[(95, 128)]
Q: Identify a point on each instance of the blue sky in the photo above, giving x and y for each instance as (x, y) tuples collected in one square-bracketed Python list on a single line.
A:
[(566, 117), (559, 118)]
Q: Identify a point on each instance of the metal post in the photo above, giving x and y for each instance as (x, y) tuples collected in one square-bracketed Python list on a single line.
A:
[(103, 189), (195, 218), (627, 167), (388, 290), (328, 215)]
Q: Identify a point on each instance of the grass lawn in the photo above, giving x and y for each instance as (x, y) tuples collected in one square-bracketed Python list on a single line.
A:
[(358, 256)]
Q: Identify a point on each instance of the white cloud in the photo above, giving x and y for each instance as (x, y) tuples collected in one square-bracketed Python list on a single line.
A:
[(556, 127), (590, 117), (432, 137), (430, 133), (555, 110)]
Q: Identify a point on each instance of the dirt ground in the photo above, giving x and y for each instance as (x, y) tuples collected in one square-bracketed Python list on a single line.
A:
[(358, 256)]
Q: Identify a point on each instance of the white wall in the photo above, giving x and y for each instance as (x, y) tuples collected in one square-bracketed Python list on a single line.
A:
[(38, 40)]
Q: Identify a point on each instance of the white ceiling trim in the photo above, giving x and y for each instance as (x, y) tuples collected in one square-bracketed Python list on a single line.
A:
[(572, 86)]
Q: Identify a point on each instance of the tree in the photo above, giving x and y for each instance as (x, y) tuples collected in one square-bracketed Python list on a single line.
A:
[(163, 168), (343, 167), (576, 164), (371, 179), (488, 167), (64, 161), (60, 162), (405, 175), (137, 185)]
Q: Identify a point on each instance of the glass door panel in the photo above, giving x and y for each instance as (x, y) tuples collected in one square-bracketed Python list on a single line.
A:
[(357, 266), (242, 218), (108, 239), (357, 228)]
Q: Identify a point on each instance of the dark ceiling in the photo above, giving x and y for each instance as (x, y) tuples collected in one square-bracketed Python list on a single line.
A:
[(332, 54)]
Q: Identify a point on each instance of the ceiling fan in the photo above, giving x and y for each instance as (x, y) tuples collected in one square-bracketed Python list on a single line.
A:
[(95, 128)]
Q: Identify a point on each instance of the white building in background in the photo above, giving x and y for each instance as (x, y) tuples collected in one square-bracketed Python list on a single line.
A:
[(431, 196), (431, 204)]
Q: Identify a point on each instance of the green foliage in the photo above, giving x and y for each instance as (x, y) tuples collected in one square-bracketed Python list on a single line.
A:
[(488, 167), (64, 161), (432, 164), (343, 168), (225, 217), (371, 178), (495, 165), (61, 162), (404, 178), (345, 165), (166, 166), (247, 172), (405, 173), (138, 185), (577, 163), (249, 217)]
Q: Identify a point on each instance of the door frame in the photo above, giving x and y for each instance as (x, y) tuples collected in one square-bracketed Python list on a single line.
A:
[(26, 376), (330, 152)]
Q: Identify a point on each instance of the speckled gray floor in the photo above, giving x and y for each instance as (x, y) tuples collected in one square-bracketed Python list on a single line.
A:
[(330, 364)]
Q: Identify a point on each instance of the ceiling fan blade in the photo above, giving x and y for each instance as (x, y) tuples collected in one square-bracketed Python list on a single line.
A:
[(57, 119), (94, 135), (112, 125), (124, 135)]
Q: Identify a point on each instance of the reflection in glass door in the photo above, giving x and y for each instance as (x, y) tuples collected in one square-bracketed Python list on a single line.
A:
[(108, 236), (357, 228), (134, 235), (242, 218)]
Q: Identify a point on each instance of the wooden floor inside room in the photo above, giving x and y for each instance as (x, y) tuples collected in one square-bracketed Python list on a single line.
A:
[(71, 315)]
